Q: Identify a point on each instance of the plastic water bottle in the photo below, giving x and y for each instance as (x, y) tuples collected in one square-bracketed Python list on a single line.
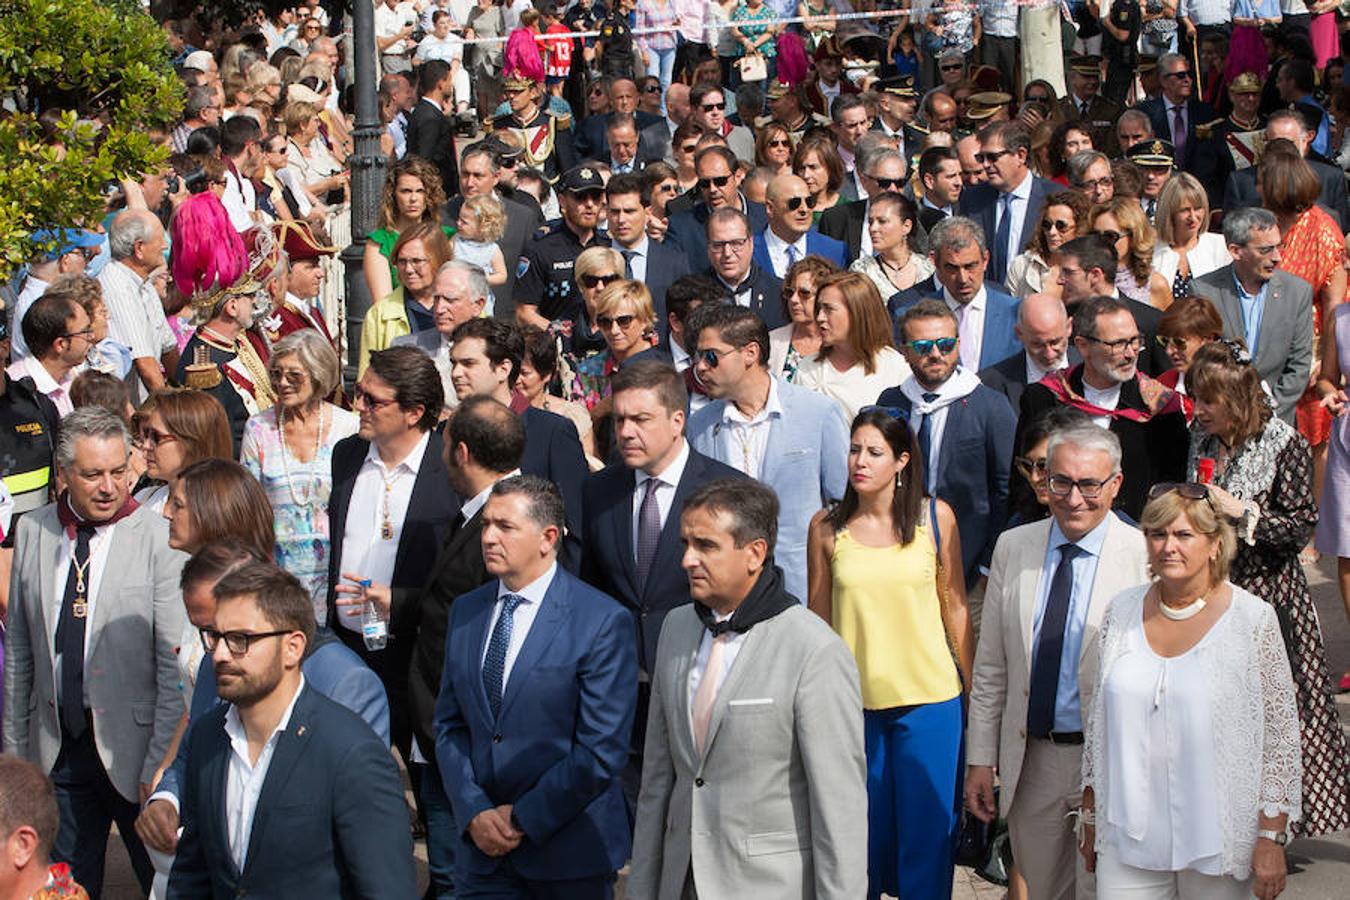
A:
[(374, 631)]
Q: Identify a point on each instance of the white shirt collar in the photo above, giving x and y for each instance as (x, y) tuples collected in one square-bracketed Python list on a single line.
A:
[(412, 462), (534, 591), (672, 473), (234, 727), (1023, 190), (640, 248), (42, 379), (433, 103), (773, 406), (976, 302), (776, 243), (679, 356), (479, 500)]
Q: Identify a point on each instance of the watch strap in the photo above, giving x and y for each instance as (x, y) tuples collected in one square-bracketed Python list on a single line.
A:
[(1279, 837)]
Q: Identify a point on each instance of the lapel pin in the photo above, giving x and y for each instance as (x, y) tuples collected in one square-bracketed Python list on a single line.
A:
[(300, 732)]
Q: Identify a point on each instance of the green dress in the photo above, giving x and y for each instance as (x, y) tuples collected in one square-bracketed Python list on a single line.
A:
[(386, 238)]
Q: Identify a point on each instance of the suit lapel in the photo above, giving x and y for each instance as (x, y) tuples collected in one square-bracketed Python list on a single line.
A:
[(623, 531), (1029, 574), (48, 606), (474, 646), (746, 659), (215, 775), (777, 438), (552, 614), (290, 748), (1267, 345), (680, 699), (669, 544), (951, 432)]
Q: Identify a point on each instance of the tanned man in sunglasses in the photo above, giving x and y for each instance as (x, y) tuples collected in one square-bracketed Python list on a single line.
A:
[(791, 234)]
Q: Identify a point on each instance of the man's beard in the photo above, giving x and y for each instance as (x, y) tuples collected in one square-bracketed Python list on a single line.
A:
[(247, 689)]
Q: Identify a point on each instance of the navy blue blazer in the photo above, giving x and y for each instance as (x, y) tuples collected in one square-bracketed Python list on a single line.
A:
[(981, 204), (557, 748), (817, 244), (1000, 315), (607, 559), (766, 294), (974, 460), (553, 452), (331, 820), (689, 228), (666, 261), (1197, 113)]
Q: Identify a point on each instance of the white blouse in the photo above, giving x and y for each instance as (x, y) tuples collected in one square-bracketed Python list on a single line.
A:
[(1026, 274), (1209, 254), (853, 389), (1184, 753)]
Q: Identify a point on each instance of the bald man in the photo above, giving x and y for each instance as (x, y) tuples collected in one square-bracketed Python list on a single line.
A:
[(791, 235), (1043, 328), (654, 142)]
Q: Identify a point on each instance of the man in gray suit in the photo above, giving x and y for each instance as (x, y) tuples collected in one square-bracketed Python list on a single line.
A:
[(91, 673), (1268, 309), (742, 662)]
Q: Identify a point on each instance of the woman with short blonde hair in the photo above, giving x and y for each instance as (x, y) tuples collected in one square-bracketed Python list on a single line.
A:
[(626, 319), (1185, 248)]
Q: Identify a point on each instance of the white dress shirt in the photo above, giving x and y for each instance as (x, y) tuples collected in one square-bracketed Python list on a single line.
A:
[(56, 391), (1035, 373), (970, 326), (480, 499), (665, 494), (1021, 201), (533, 597), (240, 201), (778, 251), (244, 779), (364, 550), (99, 546), (389, 22), (735, 639), (1107, 399), (745, 441), (135, 318)]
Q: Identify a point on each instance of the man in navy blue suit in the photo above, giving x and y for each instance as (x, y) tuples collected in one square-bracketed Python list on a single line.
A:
[(535, 713), (965, 431), (747, 284), (657, 264), (791, 233), (287, 794), (719, 187), (987, 315), (1008, 206)]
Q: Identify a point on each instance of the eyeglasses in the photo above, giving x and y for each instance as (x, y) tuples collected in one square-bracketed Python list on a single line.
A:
[(669, 188), (412, 261), (804, 293), (237, 642), (1183, 75), (86, 333), (889, 184), (720, 181), (737, 244), (1090, 488), (290, 376), (369, 401), (923, 348), (1110, 236), (990, 156), (709, 107), (608, 322), (795, 203), (1031, 468), (154, 438), (1094, 183), (1191, 490), (590, 282), (507, 162), (1172, 343), (1135, 343), (779, 142), (712, 358), (1056, 225)]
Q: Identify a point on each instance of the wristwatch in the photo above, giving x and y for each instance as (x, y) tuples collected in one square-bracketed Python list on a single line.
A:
[(1279, 837)]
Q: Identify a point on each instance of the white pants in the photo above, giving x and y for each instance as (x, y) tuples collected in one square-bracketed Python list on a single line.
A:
[(1115, 879)]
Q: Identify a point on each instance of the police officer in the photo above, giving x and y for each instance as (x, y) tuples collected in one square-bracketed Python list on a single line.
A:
[(545, 135), (546, 296), (615, 46), (28, 429), (1084, 102)]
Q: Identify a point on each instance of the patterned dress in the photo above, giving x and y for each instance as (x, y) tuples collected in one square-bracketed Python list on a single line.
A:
[(299, 494), (1274, 471), (1313, 250)]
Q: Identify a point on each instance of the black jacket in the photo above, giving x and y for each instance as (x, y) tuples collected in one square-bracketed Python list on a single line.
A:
[(432, 137)]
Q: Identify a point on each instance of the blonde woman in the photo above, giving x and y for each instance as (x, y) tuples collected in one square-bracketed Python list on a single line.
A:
[(626, 319), (1185, 249), (1121, 223)]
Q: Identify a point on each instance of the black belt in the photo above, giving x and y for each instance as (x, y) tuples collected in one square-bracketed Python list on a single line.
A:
[(1061, 737)]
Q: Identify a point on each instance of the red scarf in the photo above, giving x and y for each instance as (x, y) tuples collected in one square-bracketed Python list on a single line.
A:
[(70, 519), (1157, 398)]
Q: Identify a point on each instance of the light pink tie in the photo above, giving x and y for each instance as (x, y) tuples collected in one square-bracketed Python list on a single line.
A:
[(706, 694)]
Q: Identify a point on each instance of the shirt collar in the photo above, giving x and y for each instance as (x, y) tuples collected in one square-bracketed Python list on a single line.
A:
[(1088, 543), (773, 406), (639, 249), (1243, 293), (234, 727), (42, 379), (1023, 190), (775, 242), (976, 302), (412, 462), (479, 500), (672, 473), (534, 591), (679, 355)]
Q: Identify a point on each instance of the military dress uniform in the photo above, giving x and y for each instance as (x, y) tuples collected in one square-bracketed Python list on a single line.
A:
[(1100, 119), (547, 138)]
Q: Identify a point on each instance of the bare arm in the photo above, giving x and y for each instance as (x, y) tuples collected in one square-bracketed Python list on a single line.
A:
[(819, 577), (375, 267), (148, 368), (955, 613)]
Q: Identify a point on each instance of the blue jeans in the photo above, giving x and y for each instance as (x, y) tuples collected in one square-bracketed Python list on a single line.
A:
[(663, 66), (443, 835)]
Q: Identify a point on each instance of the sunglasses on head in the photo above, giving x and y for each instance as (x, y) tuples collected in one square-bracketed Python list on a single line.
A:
[(923, 348), (608, 322), (716, 181), (795, 203), (595, 281), (1191, 490), (709, 107)]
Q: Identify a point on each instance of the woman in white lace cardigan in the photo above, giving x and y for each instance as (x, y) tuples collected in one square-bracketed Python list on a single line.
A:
[(1192, 764)]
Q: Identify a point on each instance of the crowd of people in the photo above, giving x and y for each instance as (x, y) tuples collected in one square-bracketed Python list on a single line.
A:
[(782, 444)]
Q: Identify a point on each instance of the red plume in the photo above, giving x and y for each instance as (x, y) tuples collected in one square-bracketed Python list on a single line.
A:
[(793, 64)]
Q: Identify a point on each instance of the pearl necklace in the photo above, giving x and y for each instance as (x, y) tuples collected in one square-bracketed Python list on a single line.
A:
[(1181, 614), (310, 496)]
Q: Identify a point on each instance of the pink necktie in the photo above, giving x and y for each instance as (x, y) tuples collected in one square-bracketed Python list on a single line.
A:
[(707, 691)]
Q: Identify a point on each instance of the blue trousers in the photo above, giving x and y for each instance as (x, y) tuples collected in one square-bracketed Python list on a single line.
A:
[(507, 884), (443, 835), (913, 791)]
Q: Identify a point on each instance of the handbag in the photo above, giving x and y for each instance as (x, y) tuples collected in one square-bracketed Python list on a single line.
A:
[(752, 67)]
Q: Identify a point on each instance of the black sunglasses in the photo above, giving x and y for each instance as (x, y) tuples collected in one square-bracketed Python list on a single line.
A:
[(1037, 98), (712, 358), (795, 203), (237, 642), (608, 322), (1184, 75), (890, 184), (952, 67), (716, 181), (652, 89), (709, 107), (1109, 236), (593, 281)]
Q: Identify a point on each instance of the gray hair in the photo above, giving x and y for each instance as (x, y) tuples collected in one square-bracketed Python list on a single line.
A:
[(842, 104), (1239, 224), (198, 99), (129, 227), (544, 501), (1086, 436), (1168, 58), (1080, 162), (89, 422), (955, 233), (869, 159), (315, 355), (1134, 115), (478, 283)]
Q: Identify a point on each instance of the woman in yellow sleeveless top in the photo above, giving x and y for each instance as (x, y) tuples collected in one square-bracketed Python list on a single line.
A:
[(889, 580)]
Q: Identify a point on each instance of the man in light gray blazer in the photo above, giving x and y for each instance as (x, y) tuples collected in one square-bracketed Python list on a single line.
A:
[(91, 670), (1275, 318), (754, 777), (791, 439), (1032, 686)]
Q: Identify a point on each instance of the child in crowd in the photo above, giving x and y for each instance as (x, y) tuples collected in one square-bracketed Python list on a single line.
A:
[(482, 222)]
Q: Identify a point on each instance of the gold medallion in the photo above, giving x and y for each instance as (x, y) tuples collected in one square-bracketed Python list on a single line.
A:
[(79, 609)]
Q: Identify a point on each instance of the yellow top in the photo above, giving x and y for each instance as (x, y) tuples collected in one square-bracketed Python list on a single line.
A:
[(886, 608)]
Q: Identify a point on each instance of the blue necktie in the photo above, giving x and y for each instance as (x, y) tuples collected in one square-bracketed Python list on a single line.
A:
[(494, 663), (926, 438), (628, 262), (1002, 233), (791, 257), (1050, 646)]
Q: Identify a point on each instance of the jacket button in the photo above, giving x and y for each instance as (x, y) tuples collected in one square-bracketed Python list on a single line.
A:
[(496, 739), (52, 704), (698, 782)]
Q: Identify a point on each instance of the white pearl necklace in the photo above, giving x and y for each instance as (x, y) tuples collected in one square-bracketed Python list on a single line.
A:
[(310, 496), (1181, 614)]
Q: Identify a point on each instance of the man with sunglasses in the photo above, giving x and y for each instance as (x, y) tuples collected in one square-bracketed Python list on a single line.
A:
[(545, 292), (1177, 112), (791, 234), (1008, 207), (1036, 663), (59, 335), (883, 172), (708, 110), (719, 187), (964, 431), (1146, 418)]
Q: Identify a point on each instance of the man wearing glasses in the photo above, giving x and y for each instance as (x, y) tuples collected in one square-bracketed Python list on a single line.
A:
[(878, 173), (730, 250), (1177, 113), (59, 337), (1146, 418), (1031, 694), (719, 187), (1008, 206), (791, 234), (1269, 310)]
